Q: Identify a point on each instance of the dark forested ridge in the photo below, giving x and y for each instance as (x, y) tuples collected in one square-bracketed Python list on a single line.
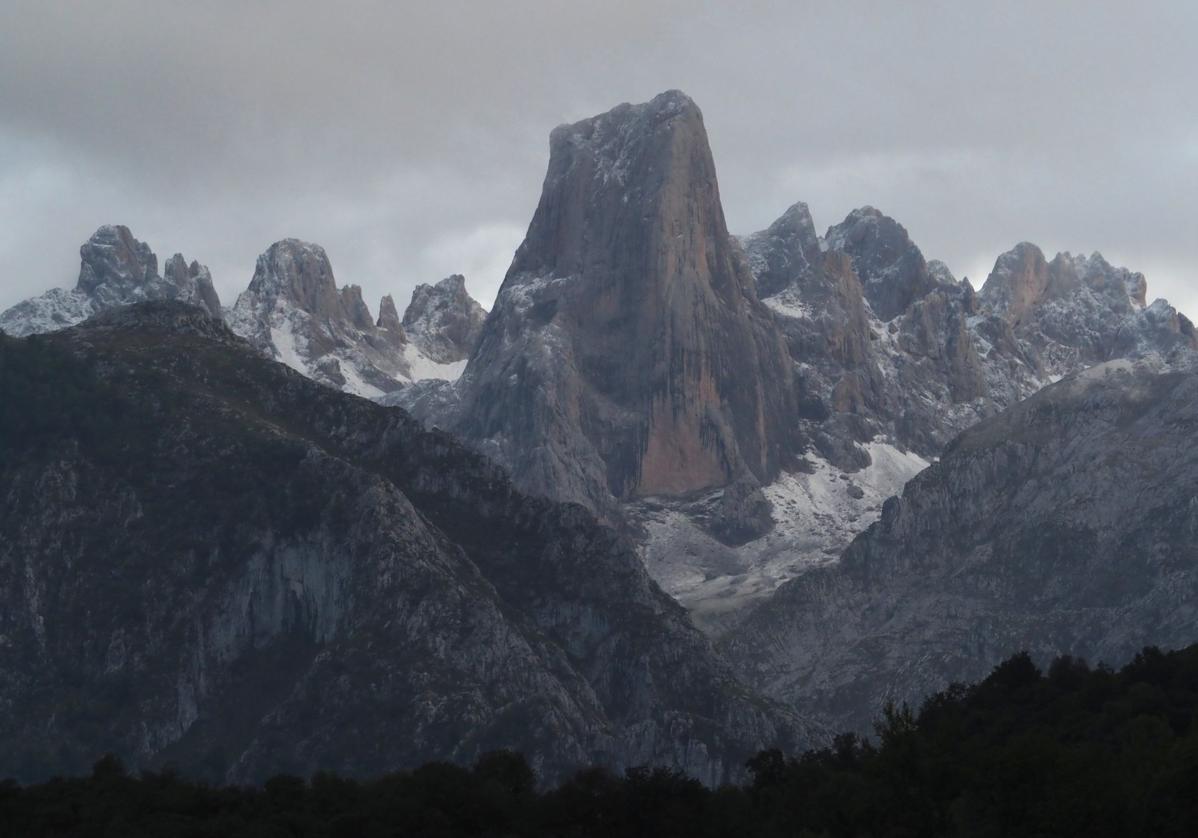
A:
[(210, 561), (1069, 751)]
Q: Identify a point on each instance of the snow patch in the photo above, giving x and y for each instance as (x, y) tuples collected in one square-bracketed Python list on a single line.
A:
[(282, 338), (422, 368), (816, 516)]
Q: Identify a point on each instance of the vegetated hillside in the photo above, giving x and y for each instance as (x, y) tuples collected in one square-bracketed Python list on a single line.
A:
[(1075, 751)]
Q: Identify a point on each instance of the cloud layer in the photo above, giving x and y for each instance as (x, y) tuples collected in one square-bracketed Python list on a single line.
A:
[(410, 139)]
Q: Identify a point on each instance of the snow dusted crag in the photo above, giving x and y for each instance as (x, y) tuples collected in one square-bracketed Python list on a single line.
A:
[(1076, 310), (294, 313), (444, 322), (115, 270), (891, 347)]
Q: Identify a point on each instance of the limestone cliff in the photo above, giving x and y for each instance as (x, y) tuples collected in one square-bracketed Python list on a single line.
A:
[(627, 353)]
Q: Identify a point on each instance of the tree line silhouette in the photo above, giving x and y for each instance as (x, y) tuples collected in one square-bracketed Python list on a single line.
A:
[(1073, 750)]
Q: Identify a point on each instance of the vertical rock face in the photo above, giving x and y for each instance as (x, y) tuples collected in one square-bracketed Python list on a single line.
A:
[(444, 320), (1017, 283), (627, 353), (115, 270)]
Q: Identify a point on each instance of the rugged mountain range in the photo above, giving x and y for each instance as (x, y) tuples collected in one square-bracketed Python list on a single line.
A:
[(889, 346), (630, 365), (741, 407), (739, 410), (292, 311), (115, 270), (209, 560), (1064, 525)]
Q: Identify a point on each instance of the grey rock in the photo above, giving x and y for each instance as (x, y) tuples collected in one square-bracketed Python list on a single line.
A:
[(115, 270), (1078, 310), (389, 321), (444, 320), (194, 282), (892, 269), (294, 312), (1064, 525)]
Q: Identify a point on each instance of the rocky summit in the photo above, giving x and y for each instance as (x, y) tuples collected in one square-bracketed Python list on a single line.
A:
[(294, 312), (444, 321), (890, 346), (209, 561), (627, 353), (115, 270)]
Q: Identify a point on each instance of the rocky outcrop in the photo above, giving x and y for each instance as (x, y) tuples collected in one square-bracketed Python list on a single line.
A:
[(1078, 310), (889, 346), (115, 270), (294, 312), (194, 282), (627, 353), (913, 378), (209, 561), (389, 319), (444, 321), (1064, 525), (891, 268)]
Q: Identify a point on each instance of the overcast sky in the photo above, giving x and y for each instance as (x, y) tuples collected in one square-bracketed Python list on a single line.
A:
[(410, 139)]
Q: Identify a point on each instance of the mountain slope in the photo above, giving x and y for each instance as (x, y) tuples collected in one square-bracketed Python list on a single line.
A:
[(1065, 524), (208, 560)]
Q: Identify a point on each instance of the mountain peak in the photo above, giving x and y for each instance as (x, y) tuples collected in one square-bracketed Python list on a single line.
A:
[(389, 315), (115, 269), (784, 253), (443, 320), (892, 269), (113, 257), (194, 282), (629, 315)]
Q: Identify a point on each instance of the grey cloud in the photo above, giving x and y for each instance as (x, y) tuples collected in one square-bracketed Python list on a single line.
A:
[(410, 138)]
